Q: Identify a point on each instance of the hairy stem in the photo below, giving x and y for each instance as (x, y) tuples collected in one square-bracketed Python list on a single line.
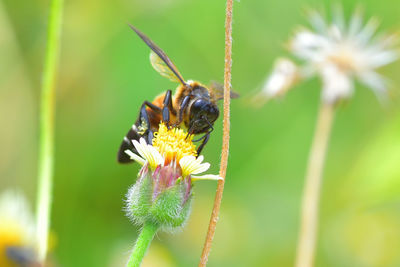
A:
[(311, 193), (46, 139), (142, 244), (225, 140)]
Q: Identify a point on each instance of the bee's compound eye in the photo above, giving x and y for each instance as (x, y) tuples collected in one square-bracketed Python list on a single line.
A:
[(203, 114), (212, 112), (198, 107)]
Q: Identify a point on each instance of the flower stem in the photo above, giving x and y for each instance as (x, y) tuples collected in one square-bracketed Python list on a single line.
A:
[(311, 193), (46, 139), (225, 140), (142, 244)]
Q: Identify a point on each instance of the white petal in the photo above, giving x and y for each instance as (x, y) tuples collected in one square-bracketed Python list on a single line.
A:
[(375, 81), (187, 161), (282, 78), (355, 23), (200, 159), (156, 158), (191, 165), (308, 45), (15, 213), (201, 168), (141, 148), (336, 84), (148, 152), (317, 21), (335, 33), (206, 177), (338, 17), (364, 36), (381, 58), (135, 157)]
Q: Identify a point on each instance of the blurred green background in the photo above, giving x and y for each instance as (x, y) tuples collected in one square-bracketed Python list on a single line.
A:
[(104, 77)]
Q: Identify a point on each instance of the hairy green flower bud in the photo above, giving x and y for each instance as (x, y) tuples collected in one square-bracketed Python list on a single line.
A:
[(160, 198), (171, 208), (139, 199)]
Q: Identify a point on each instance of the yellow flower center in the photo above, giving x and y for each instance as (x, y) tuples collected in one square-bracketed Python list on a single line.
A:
[(173, 144), (344, 59), (10, 235)]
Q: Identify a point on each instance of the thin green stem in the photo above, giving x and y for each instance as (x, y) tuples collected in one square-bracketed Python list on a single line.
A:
[(312, 188), (142, 244), (46, 139)]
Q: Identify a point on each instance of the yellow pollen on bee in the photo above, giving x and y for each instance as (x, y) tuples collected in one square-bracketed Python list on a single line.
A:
[(173, 144)]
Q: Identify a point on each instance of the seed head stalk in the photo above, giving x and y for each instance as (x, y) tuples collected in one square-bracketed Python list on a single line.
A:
[(46, 139), (311, 194), (225, 140)]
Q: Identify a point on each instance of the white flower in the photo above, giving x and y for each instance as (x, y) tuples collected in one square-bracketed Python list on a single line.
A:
[(190, 165), (340, 52), (283, 76), (148, 154), (17, 227)]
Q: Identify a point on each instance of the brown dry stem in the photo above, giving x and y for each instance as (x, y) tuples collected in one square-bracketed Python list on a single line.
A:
[(225, 141)]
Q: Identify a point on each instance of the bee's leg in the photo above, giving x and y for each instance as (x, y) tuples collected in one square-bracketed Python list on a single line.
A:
[(182, 108), (205, 138), (150, 137), (167, 108), (210, 129), (143, 116), (141, 128), (155, 109), (144, 119), (152, 106)]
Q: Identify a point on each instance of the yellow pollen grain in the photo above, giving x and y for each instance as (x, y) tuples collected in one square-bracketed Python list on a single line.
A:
[(173, 144)]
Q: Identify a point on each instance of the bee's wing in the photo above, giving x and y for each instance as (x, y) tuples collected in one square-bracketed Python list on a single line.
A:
[(217, 90), (159, 60), (162, 68)]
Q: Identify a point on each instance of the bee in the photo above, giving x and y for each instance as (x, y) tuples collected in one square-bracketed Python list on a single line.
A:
[(193, 105)]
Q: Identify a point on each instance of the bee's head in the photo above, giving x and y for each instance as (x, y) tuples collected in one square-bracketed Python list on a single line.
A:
[(202, 115)]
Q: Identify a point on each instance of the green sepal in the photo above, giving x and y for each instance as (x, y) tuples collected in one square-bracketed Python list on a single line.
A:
[(170, 210), (140, 199)]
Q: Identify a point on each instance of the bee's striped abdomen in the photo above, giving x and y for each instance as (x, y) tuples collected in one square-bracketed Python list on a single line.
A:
[(127, 144)]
